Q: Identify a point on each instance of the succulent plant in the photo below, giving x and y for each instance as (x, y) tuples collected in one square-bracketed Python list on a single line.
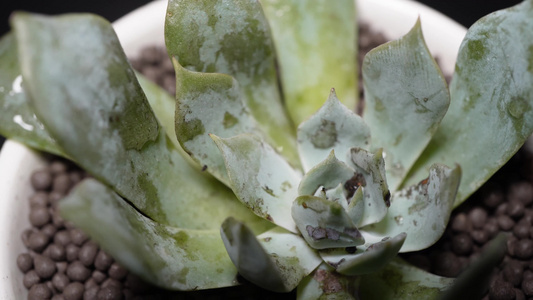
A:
[(190, 192)]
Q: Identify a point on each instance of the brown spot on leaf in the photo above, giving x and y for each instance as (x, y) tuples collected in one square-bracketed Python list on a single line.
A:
[(330, 282), (352, 184)]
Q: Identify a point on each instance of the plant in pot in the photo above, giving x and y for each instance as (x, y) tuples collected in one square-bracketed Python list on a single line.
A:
[(326, 207)]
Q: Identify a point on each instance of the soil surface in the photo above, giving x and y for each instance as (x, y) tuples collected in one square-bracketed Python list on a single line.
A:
[(63, 263)]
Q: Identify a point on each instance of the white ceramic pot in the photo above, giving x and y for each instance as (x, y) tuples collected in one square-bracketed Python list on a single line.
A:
[(392, 17)]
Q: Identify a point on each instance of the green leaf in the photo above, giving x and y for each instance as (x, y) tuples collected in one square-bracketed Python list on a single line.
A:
[(368, 259), (326, 284), (491, 110), (328, 175), (324, 224), (168, 257), (233, 38), (316, 47), (406, 97), (86, 94), (209, 103), (276, 260), (401, 281), (422, 211), (261, 178), (374, 183), (333, 126), (17, 120)]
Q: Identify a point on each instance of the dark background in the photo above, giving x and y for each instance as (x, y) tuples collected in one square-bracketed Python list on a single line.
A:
[(465, 12)]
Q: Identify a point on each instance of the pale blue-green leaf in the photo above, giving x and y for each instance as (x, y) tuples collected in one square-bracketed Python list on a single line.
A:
[(324, 224), (261, 178), (491, 110), (356, 207), (233, 37), (401, 281), (85, 92), (276, 260), (316, 46), (473, 282), (328, 174), (169, 257), (163, 106), (326, 284), (375, 190), (17, 119), (209, 103), (333, 126), (422, 211), (365, 260), (406, 97)]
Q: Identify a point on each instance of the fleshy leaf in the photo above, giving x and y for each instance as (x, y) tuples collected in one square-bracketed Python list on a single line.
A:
[(316, 46), (324, 224), (261, 178), (327, 174), (276, 260), (325, 283), (333, 126), (375, 191), (493, 84), (85, 92), (422, 210), (17, 120), (369, 260), (209, 103), (401, 281), (168, 257), (406, 97), (233, 37)]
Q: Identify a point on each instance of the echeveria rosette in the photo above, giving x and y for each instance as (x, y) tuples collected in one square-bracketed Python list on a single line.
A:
[(342, 208), (317, 210)]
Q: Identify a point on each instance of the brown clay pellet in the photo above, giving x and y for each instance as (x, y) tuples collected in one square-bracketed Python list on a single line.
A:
[(99, 276), (38, 241), (74, 291), (39, 199), (61, 266), (57, 167), (88, 253), (62, 238), (61, 183), (24, 262), (112, 282), (78, 237), (116, 271), (91, 293), (41, 180), (103, 261), (515, 209), (39, 216), (57, 252), (60, 281), (109, 293), (49, 230), (72, 251), (58, 297), (524, 249), (39, 292), (30, 279), (76, 271), (478, 217), (44, 266)]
